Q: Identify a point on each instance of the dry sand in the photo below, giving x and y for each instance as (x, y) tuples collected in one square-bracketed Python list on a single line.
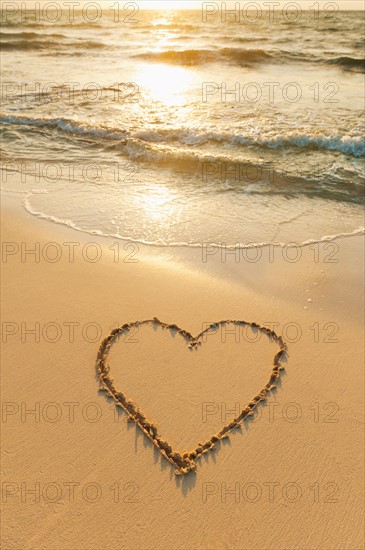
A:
[(289, 478)]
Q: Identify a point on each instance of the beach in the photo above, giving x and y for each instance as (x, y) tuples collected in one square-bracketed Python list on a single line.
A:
[(291, 477), (182, 271)]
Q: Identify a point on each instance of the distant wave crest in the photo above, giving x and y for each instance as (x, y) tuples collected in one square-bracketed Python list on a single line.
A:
[(26, 41), (349, 63), (198, 57), (244, 57)]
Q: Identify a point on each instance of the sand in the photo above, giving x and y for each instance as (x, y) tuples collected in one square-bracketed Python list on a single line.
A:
[(77, 475)]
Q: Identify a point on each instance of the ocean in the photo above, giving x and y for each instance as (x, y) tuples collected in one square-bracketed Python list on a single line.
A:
[(163, 128)]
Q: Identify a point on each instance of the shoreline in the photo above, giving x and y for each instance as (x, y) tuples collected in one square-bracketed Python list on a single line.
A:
[(220, 260), (292, 236)]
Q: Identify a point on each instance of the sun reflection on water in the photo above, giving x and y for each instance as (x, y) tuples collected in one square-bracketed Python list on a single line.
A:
[(158, 204), (165, 83)]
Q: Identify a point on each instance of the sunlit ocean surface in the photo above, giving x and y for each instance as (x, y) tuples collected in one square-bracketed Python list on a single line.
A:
[(132, 131)]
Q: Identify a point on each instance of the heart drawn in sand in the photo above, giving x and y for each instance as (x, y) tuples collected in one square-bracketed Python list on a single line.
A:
[(184, 463)]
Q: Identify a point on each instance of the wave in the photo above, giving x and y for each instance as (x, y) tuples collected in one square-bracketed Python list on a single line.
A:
[(65, 125), (29, 24), (24, 44), (29, 35), (242, 40), (349, 145), (246, 57), (198, 57), (353, 145), (349, 63)]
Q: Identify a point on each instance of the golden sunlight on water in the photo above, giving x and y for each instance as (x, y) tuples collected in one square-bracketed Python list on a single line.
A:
[(170, 4), (159, 204), (165, 83)]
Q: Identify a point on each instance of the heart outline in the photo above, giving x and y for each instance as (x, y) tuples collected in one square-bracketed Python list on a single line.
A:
[(184, 463)]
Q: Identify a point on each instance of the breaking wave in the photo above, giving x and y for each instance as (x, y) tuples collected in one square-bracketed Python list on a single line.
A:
[(353, 145)]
